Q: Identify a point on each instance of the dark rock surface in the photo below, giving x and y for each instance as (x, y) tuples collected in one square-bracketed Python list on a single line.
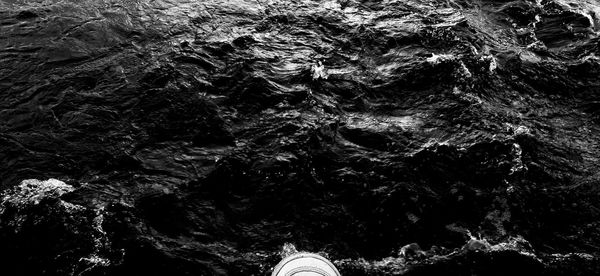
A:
[(193, 138)]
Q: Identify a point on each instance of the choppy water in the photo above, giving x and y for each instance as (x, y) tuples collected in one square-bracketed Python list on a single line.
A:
[(193, 138)]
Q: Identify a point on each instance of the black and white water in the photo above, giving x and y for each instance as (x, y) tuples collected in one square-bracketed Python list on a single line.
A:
[(179, 137)]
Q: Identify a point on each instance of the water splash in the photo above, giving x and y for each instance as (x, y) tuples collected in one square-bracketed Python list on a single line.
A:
[(32, 191), (287, 249), (318, 71)]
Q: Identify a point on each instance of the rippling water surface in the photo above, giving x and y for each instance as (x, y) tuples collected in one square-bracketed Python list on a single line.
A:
[(195, 138)]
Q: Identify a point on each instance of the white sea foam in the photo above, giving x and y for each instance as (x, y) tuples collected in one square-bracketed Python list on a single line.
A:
[(32, 192), (435, 59)]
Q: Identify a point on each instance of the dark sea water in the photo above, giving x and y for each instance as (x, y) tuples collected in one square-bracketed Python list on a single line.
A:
[(202, 137)]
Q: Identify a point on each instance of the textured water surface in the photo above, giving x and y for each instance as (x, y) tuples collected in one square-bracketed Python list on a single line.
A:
[(200, 137)]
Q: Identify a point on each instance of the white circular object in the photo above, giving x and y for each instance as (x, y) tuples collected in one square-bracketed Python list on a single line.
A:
[(305, 264)]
